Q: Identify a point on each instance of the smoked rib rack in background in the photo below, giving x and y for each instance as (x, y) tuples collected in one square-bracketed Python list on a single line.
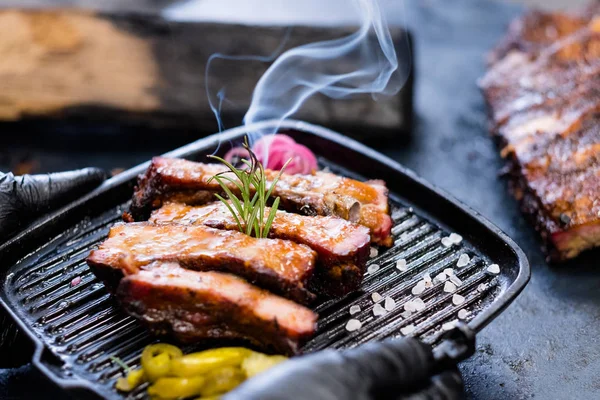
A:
[(543, 93)]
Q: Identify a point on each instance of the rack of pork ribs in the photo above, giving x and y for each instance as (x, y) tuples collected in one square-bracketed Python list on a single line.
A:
[(180, 264), (543, 92)]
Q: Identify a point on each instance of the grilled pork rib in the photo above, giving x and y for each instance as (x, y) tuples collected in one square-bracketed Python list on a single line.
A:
[(193, 305), (281, 266), (534, 89), (536, 30), (544, 100), (342, 247), (321, 193)]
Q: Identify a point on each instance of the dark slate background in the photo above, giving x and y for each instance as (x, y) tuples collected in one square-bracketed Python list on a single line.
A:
[(546, 345)]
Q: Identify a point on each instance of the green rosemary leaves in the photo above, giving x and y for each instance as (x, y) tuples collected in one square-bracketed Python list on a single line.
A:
[(247, 194)]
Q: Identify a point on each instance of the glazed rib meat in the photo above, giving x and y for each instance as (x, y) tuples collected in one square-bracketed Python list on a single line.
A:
[(544, 100), (536, 30), (280, 266), (193, 306), (320, 193), (536, 90), (342, 246)]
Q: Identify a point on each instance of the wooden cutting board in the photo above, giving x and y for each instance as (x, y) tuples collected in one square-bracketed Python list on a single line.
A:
[(142, 70)]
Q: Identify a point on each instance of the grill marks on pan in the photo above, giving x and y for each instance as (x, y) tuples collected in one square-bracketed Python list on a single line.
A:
[(332, 327), (84, 327), (77, 243), (376, 328)]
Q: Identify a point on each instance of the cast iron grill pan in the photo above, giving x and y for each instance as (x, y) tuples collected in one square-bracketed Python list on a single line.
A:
[(77, 327)]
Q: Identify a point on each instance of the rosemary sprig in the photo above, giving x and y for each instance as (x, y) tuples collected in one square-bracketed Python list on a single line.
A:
[(249, 207)]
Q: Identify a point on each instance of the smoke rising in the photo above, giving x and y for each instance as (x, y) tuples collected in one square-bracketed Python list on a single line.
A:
[(364, 62), (216, 104)]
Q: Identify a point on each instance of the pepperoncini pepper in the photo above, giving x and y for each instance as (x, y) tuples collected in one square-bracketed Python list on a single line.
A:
[(131, 381), (208, 374), (168, 388), (156, 360), (208, 360), (222, 380)]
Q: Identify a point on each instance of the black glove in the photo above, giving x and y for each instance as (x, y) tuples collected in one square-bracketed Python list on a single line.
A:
[(22, 199), (394, 369)]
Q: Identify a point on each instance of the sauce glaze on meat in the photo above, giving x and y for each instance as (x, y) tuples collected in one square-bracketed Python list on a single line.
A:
[(342, 246), (194, 306), (320, 193), (281, 266)]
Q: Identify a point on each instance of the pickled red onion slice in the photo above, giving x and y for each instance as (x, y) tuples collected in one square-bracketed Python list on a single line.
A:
[(275, 150)]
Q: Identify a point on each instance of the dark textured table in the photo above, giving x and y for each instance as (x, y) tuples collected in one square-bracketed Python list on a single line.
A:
[(546, 344)]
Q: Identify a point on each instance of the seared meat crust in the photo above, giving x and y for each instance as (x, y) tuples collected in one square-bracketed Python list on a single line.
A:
[(194, 306), (342, 247), (320, 193), (281, 266), (543, 92)]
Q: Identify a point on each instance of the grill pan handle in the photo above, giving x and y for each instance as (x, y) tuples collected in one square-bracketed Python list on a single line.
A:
[(392, 369)]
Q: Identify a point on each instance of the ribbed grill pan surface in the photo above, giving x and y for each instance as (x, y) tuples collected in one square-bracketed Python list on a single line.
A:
[(78, 327)]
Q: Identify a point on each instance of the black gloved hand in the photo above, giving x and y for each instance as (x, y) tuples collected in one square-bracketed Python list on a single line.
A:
[(394, 369), (22, 199)]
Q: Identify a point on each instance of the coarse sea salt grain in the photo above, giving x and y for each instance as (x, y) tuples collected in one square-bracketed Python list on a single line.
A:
[(448, 326), (418, 304), (405, 314), (457, 299), (449, 287), (354, 310), (494, 269), (446, 242), (439, 278), (418, 288), (401, 265), (373, 252), (455, 238), (449, 271), (373, 268), (456, 280), (376, 297), (353, 325), (427, 279), (481, 287), (378, 310), (76, 281), (389, 304), (407, 330), (463, 314), (463, 260)]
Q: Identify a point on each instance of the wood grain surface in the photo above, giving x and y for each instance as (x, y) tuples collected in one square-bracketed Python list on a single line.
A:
[(139, 69)]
